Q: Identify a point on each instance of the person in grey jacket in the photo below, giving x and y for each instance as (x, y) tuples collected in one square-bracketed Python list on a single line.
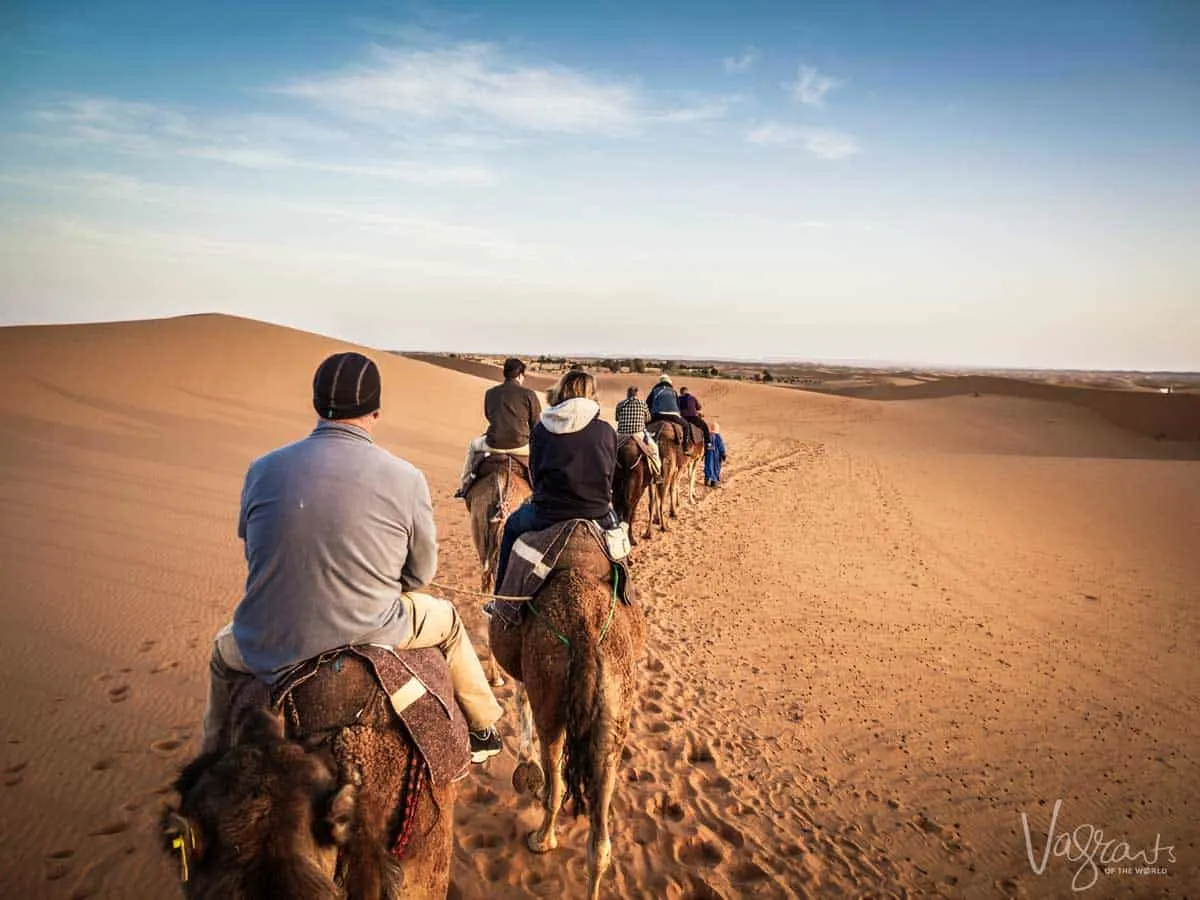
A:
[(339, 535)]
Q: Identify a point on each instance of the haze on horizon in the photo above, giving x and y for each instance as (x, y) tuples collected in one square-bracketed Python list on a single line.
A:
[(951, 185)]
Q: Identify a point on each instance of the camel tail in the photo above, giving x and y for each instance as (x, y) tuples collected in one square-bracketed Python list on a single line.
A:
[(589, 717)]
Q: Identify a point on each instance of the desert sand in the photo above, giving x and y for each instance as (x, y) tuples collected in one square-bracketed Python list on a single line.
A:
[(898, 627)]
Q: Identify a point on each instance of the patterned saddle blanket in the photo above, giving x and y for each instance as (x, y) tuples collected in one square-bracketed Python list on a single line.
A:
[(369, 685), (535, 556)]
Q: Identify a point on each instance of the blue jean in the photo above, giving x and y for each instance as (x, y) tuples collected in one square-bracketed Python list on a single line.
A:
[(523, 519)]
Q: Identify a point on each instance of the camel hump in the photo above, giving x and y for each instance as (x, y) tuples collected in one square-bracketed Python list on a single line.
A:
[(584, 555)]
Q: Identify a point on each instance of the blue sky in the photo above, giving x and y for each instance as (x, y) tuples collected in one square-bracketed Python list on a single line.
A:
[(1005, 184)]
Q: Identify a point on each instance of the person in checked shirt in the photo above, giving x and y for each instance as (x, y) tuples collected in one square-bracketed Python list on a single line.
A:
[(633, 415)]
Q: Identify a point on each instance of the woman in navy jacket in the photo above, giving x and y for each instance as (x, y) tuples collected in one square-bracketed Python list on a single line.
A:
[(572, 458)]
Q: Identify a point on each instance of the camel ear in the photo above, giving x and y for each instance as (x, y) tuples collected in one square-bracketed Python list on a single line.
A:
[(183, 839), (339, 815)]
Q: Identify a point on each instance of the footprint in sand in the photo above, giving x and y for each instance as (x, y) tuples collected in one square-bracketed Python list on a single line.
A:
[(720, 784), (748, 873), (119, 694), (57, 866), (12, 774), (497, 869), (483, 841), (103, 765), (165, 667), (731, 834), (147, 646), (167, 746), (111, 828), (697, 852)]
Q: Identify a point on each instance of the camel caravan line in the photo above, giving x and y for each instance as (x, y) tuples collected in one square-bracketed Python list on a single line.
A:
[(339, 780)]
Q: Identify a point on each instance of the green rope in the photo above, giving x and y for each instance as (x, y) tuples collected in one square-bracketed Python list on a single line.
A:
[(549, 627), (612, 611)]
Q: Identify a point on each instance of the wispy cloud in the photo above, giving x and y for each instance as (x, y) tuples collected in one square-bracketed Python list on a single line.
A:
[(341, 225), (412, 173), (476, 85), (823, 143), (736, 65), (240, 208), (810, 86), (262, 142), (700, 111)]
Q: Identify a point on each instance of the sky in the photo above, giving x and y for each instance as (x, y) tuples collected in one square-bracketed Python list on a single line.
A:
[(944, 183)]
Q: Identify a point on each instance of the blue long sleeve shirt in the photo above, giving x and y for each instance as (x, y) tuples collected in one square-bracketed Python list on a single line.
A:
[(336, 528)]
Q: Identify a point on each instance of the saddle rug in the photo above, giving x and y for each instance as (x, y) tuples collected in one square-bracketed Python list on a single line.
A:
[(416, 684), (652, 457), (533, 558), (498, 460)]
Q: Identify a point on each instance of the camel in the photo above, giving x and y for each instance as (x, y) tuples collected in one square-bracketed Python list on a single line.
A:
[(500, 487), (314, 816), (676, 464), (574, 654), (631, 479)]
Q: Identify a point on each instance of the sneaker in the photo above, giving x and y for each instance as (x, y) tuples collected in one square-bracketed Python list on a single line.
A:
[(485, 744), (460, 494)]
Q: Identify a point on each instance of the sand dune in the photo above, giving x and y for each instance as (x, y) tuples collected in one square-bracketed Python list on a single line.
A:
[(899, 627), (1161, 416)]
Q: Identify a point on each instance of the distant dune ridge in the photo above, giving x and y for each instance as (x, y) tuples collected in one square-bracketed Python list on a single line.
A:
[(1164, 416), (898, 628)]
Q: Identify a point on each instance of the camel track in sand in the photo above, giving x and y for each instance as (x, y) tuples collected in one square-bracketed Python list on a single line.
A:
[(703, 808)]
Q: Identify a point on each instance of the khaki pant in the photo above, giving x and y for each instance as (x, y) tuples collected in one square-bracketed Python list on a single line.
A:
[(434, 623), (478, 448)]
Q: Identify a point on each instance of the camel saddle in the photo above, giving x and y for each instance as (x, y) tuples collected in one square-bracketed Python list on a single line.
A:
[(369, 685), (535, 556), (497, 460), (689, 431), (623, 439)]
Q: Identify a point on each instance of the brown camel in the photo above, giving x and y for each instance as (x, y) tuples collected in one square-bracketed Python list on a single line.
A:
[(693, 463), (575, 654), (676, 464), (501, 485), (631, 479), (314, 815)]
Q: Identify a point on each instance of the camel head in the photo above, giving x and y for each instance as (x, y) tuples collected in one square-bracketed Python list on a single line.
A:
[(262, 819)]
